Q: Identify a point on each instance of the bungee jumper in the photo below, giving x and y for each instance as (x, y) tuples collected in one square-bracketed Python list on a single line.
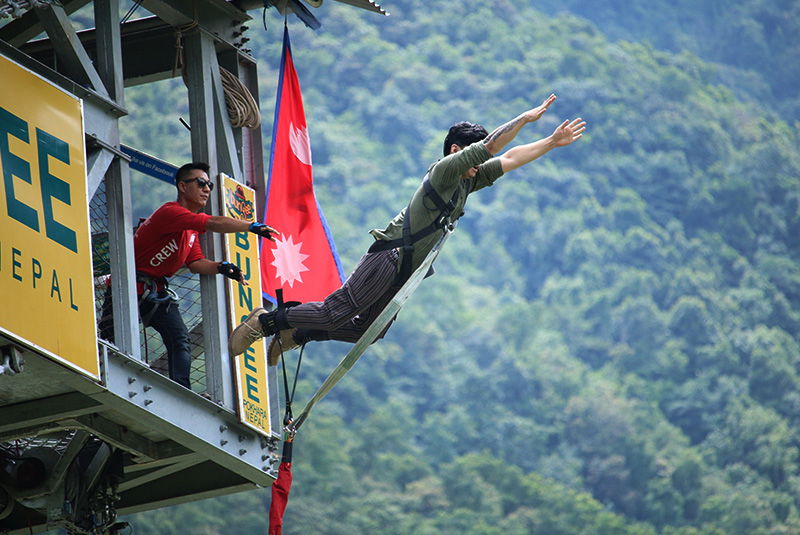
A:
[(468, 165), (364, 307)]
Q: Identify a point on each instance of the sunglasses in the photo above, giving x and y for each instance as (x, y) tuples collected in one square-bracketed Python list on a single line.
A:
[(202, 183)]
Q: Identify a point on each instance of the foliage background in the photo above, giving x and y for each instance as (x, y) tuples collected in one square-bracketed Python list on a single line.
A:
[(611, 342)]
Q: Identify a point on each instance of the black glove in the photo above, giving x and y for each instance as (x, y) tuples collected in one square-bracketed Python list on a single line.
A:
[(232, 271), (265, 231)]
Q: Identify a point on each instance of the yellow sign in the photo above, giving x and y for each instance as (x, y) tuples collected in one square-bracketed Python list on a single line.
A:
[(242, 249), (45, 252)]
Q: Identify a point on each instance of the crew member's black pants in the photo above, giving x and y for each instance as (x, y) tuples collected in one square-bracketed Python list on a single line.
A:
[(166, 319)]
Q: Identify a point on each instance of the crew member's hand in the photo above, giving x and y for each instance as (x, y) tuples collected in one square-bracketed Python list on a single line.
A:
[(535, 113), (232, 271), (567, 132), (265, 231)]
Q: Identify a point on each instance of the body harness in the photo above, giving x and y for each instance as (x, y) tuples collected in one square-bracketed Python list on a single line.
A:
[(154, 297), (443, 221)]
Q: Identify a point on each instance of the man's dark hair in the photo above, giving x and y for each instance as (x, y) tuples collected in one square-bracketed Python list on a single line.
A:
[(463, 134), (183, 171)]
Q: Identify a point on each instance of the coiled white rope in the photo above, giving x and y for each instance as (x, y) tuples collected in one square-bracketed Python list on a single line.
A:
[(242, 107)]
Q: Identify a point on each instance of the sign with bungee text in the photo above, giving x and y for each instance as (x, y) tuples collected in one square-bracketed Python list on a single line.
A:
[(45, 250), (241, 248)]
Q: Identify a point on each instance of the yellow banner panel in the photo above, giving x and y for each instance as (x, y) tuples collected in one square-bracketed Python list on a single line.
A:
[(45, 249), (242, 249)]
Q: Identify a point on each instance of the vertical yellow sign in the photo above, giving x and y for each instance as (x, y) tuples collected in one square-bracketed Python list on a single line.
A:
[(45, 254), (242, 249)]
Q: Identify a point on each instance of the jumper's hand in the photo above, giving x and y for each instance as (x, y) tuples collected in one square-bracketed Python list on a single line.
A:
[(535, 113), (232, 271), (265, 231), (567, 132)]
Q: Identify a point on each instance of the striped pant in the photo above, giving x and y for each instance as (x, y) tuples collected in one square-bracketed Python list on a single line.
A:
[(346, 313)]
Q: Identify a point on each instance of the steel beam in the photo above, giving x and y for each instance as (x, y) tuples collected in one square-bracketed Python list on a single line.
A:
[(147, 501), (21, 30), (97, 163), (120, 238), (187, 419), (146, 466), (154, 475), (252, 143), (210, 15), (76, 62), (45, 411), (109, 48), (115, 434)]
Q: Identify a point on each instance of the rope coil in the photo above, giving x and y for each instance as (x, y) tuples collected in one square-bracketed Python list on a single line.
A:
[(242, 108)]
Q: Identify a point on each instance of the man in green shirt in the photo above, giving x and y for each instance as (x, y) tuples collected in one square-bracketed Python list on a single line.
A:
[(467, 166)]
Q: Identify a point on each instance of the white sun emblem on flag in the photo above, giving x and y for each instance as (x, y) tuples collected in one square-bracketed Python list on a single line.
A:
[(301, 146), (288, 261)]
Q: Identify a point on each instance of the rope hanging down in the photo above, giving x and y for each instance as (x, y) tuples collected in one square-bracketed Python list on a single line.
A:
[(371, 333)]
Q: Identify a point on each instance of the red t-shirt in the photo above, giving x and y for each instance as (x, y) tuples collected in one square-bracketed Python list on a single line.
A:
[(167, 240)]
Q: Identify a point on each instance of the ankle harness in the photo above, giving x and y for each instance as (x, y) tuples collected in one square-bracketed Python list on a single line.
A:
[(275, 321)]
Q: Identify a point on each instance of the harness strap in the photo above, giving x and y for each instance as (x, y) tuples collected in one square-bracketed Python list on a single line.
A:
[(288, 418), (407, 241), (430, 191), (408, 247)]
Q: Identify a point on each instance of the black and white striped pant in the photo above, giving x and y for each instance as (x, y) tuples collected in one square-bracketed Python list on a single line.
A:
[(346, 313)]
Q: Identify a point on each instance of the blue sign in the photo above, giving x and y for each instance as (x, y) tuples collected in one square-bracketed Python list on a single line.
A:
[(150, 165)]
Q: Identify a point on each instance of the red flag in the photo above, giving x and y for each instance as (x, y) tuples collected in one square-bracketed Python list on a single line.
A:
[(302, 260)]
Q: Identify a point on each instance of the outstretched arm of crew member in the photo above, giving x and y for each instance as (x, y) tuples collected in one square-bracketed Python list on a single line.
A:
[(566, 133), (503, 135), (225, 224)]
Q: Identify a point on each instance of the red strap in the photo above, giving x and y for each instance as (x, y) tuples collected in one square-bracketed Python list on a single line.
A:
[(280, 496)]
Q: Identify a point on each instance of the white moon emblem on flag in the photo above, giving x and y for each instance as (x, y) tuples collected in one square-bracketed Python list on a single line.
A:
[(288, 261), (301, 146)]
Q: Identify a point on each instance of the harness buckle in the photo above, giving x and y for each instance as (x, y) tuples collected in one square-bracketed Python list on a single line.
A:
[(444, 221), (167, 295)]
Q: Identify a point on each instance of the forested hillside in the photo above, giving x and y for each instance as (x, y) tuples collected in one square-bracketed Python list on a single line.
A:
[(611, 344), (754, 39)]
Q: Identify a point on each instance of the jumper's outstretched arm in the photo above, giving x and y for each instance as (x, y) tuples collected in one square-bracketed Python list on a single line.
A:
[(566, 133), (503, 135)]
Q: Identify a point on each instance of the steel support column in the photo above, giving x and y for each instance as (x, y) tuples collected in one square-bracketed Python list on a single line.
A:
[(201, 56)]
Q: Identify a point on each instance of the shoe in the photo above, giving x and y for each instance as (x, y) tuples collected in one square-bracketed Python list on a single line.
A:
[(246, 333), (276, 346)]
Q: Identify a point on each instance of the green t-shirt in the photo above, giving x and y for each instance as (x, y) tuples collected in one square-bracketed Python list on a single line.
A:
[(446, 178)]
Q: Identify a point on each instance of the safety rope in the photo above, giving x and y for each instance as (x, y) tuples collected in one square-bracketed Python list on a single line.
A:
[(372, 333), (289, 394)]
